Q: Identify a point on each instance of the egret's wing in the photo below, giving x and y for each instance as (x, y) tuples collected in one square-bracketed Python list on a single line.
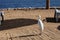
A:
[(40, 23)]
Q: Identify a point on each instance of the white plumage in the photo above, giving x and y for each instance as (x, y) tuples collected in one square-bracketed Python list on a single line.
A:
[(40, 23)]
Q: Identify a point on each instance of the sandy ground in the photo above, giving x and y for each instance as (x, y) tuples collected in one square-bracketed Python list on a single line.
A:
[(22, 25)]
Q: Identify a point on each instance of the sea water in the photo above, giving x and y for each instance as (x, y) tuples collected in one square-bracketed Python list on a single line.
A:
[(27, 3)]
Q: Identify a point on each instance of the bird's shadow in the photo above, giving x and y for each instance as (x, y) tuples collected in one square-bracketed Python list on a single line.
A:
[(51, 19), (14, 23)]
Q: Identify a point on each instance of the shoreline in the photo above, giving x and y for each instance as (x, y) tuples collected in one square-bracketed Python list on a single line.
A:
[(30, 8)]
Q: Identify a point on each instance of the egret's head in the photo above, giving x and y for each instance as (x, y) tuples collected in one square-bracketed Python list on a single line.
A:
[(39, 17)]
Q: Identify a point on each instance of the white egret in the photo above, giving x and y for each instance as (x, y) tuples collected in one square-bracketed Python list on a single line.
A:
[(40, 23)]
